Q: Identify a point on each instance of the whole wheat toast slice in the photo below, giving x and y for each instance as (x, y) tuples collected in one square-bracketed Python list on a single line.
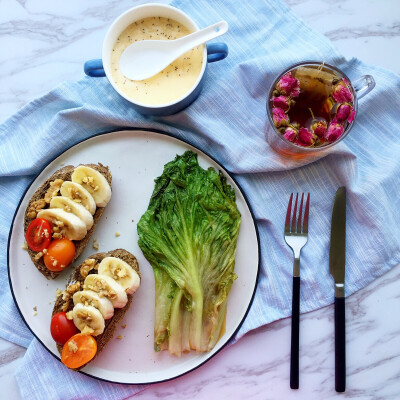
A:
[(64, 174), (119, 313)]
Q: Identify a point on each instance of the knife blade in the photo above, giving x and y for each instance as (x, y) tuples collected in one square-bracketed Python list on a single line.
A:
[(337, 262)]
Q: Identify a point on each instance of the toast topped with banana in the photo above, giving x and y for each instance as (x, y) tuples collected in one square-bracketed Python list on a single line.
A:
[(61, 215), (98, 294)]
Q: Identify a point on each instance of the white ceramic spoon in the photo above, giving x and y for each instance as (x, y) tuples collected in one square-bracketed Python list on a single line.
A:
[(144, 59)]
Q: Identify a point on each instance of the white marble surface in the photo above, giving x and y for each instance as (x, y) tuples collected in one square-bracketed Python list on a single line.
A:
[(45, 42)]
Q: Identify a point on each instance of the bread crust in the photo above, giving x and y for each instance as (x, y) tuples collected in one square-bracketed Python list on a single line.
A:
[(64, 174), (119, 313)]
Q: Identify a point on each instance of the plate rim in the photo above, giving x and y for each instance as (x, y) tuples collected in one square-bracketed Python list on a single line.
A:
[(160, 132)]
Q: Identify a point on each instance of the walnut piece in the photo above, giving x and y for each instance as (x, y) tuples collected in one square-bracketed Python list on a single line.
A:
[(35, 207), (74, 287), (72, 346), (87, 266), (87, 330)]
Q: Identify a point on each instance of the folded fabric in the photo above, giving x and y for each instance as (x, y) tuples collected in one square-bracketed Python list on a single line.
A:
[(228, 121)]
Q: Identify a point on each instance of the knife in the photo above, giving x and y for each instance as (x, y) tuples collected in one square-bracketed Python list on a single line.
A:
[(337, 260)]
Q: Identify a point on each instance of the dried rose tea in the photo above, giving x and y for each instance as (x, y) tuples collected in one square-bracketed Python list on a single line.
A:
[(312, 106)]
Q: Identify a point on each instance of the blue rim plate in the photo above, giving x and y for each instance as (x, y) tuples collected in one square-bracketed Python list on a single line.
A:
[(136, 156)]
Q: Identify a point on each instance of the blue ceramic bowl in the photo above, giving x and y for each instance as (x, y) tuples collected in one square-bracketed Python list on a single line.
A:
[(101, 67)]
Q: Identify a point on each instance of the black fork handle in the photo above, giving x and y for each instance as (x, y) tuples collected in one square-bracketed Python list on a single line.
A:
[(294, 351)]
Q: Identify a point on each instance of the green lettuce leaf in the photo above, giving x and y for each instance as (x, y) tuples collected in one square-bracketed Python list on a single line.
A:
[(189, 235)]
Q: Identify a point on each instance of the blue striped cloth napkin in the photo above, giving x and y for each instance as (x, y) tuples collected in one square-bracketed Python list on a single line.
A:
[(228, 121)]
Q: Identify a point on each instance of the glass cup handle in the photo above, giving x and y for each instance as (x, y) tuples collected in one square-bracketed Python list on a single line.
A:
[(363, 85)]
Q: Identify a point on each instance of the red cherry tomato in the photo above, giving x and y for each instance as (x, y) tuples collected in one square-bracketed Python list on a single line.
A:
[(59, 254), (62, 328), (38, 234)]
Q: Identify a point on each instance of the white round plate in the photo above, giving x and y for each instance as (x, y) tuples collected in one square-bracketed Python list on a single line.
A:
[(135, 157)]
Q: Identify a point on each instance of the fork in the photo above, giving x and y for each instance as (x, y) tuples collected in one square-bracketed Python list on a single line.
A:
[(296, 235)]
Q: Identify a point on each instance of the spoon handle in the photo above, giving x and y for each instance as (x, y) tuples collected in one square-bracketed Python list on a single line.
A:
[(204, 35)]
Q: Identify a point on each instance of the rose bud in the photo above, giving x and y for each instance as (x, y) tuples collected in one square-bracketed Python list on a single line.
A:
[(279, 117), (306, 138), (290, 134), (281, 102), (335, 130), (342, 94), (345, 111), (288, 85), (319, 128)]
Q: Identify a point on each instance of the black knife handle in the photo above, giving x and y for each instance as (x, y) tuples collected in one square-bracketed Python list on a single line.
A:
[(340, 345), (294, 351)]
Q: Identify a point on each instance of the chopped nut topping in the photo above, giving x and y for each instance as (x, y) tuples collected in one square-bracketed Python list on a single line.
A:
[(44, 251), (87, 330), (25, 246), (34, 313), (72, 346), (35, 207), (75, 195), (123, 326), (35, 308), (58, 235), (95, 245), (87, 266), (117, 234), (46, 233), (85, 179), (53, 190), (58, 292), (65, 306), (55, 262), (83, 314), (38, 256), (67, 209), (69, 315), (74, 287), (119, 337), (96, 188)]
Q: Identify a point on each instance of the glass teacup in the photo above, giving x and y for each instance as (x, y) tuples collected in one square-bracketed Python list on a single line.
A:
[(311, 107)]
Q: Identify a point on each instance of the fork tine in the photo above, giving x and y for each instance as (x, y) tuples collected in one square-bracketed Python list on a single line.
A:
[(305, 223), (300, 212), (289, 209), (294, 214)]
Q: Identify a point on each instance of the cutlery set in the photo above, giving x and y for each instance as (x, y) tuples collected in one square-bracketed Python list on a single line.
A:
[(296, 235)]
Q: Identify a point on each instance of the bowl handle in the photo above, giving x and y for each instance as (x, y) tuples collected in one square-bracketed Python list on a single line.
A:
[(94, 68), (216, 52)]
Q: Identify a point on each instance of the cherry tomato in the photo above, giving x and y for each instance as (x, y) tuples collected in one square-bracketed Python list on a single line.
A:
[(59, 254), (78, 350), (62, 328), (38, 234)]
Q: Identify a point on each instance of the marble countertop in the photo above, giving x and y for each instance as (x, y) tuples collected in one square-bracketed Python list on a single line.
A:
[(44, 43)]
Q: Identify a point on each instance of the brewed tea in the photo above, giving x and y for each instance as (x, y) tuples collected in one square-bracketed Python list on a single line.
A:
[(312, 105)]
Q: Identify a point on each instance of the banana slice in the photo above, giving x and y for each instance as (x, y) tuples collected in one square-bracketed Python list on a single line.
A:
[(78, 194), (88, 319), (106, 287), (94, 182), (69, 225), (71, 206), (121, 272), (90, 298)]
